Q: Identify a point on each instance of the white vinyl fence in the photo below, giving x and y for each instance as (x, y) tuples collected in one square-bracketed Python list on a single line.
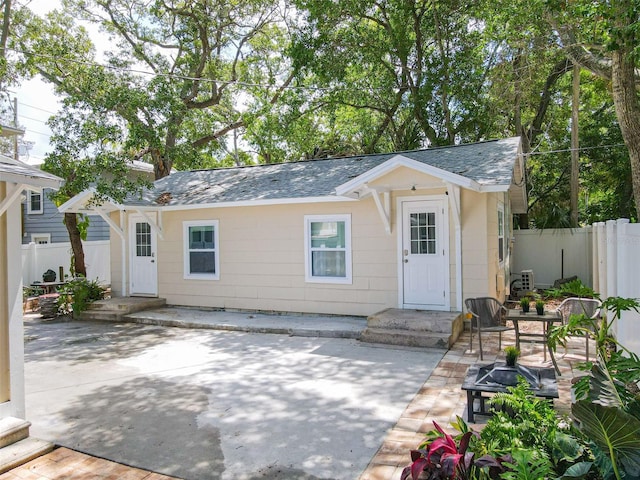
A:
[(553, 254), (604, 256), (616, 260), (38, 258)]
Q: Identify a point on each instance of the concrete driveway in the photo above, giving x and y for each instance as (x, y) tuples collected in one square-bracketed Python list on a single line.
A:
[(205, 404)]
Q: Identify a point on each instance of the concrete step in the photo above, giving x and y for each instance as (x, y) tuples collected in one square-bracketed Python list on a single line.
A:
[(114, 309), (414, 320), (13, 430), (22, 452), (102, 315), (407, 338), (127, 305)]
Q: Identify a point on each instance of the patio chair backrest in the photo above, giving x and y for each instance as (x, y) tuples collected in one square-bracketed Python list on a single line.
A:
[(490, 311), (578, 306)]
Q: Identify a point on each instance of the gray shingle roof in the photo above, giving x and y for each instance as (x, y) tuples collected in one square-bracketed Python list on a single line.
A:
[(488, 163), (19, 172)]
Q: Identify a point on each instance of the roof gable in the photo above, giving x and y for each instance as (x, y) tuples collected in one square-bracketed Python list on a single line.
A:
[(399, 161)]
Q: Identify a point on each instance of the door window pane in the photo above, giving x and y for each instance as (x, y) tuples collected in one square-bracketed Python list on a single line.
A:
[(143, 239), (423, 233)]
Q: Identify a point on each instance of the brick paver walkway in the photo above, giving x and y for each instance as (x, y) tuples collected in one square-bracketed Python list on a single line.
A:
[(442, 399)]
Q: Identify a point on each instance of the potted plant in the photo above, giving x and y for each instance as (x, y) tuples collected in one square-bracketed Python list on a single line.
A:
[(511, 355), (540, 307), (524, 304)]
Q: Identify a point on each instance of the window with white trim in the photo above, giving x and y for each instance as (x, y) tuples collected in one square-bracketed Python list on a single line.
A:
[(501, 244), (34, 203), (328, 248), (201, 250)]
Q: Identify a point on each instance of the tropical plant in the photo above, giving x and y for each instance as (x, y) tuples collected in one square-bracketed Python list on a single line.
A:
[(613, 433), (607, 402), (440, 457), (598, 329), (528, 465), (574, 288)]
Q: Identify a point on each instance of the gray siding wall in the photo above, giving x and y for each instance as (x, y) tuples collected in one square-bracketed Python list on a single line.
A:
[(51, 222)]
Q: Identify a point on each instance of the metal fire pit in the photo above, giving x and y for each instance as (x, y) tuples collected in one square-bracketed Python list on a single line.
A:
[(496, 377)]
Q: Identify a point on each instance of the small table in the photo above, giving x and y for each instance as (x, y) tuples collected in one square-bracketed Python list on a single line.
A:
[(548, 387), (48, 287), (517, 316)]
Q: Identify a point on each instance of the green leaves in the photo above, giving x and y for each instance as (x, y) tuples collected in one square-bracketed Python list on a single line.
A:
[(615, 433)]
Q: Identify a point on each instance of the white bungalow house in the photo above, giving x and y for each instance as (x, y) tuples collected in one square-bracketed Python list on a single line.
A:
[(15, 178), (421, 229)]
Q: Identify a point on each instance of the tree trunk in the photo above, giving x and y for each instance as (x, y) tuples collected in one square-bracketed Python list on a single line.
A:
[(71, 222), (575, 153), (625, 99)]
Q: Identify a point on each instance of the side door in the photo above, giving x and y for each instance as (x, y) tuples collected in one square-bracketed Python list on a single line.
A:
[(424, 255), (143, 266)]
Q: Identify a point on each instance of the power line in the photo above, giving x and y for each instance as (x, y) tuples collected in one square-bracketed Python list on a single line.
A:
[(563, 150), (48, 135), (37, 108), (32, 119)]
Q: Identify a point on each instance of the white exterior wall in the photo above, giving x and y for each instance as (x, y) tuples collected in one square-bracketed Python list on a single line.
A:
[(262, 253), (262, 261)]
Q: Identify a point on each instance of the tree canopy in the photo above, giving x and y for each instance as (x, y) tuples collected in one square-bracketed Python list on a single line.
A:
[(196, 84)]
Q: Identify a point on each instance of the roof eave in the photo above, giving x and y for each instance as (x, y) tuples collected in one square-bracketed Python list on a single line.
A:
[(244, 203), (35, 181)]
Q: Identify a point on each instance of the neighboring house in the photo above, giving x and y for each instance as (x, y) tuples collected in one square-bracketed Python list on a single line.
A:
[(15, 177), (422, 229), (42, 223)]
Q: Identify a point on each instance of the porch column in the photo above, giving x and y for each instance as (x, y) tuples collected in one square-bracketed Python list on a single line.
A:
[(453, 192)]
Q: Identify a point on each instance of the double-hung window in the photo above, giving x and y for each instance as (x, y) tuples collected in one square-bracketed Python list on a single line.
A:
[(201, 250), (501, 245), (34, 202), (328, 248)]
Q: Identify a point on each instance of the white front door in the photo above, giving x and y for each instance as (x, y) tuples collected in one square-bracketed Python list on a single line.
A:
[(143, 267), (424, 256)]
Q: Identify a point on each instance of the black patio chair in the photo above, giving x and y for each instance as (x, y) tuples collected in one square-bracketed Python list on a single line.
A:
[(488, 314)]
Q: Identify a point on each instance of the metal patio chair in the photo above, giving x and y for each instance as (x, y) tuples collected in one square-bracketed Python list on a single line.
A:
[(578, 306), (488, 314)]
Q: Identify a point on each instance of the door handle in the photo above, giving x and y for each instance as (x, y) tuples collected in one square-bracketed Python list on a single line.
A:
[(406, 260)]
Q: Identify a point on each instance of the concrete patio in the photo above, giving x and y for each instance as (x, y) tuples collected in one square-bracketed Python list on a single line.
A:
[(439, 399)]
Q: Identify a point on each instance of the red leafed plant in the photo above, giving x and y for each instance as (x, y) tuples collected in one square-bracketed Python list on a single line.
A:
[(444, 459)]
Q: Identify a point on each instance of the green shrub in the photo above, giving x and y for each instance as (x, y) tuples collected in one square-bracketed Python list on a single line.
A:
[(77, 294), (574, 288)]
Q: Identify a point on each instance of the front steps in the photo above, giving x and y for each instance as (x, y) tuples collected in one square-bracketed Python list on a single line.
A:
[(16, 446), (414, 328), (115, 309)]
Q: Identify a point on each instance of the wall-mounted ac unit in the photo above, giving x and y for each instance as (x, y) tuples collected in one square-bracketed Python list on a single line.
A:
[(526, 280)]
